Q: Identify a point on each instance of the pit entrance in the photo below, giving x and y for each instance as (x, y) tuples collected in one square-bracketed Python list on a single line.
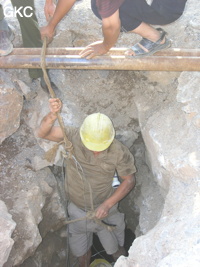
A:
[(51, 255), (39, 194)]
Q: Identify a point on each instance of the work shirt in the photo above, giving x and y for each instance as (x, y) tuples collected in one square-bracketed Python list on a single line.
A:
[(133, 12), (89, 176), (106, 8)]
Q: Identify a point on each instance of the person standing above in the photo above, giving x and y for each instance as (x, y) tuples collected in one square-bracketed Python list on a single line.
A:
[(97, 155), (135, 16), (29, 29)]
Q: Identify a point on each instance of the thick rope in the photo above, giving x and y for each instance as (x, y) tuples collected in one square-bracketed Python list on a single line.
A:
[(68, 144), (90, 215)]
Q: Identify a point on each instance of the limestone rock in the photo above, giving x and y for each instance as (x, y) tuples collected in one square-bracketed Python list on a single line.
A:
[(25, 89), (31, 210), (7, 226), (28, 194), (10, 107), (160, 109), (190, 98), (51, 252), (173, 148)]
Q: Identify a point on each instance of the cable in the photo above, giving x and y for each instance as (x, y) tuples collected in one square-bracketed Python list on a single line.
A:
[(98, 253), (67, 243)]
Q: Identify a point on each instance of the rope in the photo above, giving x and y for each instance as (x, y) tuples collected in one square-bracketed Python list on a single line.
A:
[(68, 144), (82, 177), (90, 215)]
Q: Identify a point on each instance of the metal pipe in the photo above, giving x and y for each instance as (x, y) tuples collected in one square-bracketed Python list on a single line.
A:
[(113, 51), (167, 60)]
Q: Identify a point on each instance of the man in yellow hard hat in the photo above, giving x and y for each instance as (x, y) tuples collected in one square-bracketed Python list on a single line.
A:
[(97, 155)]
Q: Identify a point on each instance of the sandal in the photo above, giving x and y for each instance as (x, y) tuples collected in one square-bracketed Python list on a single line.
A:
[(152, 47)]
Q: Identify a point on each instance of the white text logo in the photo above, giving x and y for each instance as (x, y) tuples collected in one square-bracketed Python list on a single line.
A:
[(21, 11)]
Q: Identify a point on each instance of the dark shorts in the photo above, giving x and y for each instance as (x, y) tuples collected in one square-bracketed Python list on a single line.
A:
[(134, 12)]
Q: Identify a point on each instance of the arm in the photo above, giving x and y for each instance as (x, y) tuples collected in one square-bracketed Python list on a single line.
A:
[(62, 9), (111, 31), (125, 187), (49, 9), (47, 130)]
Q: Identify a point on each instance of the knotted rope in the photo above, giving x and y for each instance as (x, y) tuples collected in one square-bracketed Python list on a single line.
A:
[(90, 215), (50, 155)]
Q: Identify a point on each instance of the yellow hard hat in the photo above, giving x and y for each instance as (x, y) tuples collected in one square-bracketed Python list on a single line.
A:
[(97, 132), (100, 263)]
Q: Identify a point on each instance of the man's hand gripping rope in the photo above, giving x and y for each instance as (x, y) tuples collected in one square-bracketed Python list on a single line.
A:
[(68, 144)]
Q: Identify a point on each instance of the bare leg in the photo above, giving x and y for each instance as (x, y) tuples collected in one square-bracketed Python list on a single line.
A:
[(148, 32), (121, 252), (84, 261)]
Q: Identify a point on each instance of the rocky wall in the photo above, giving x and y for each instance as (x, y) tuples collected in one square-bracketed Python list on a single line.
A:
[(33, 198), (156, 114), (171, 135)]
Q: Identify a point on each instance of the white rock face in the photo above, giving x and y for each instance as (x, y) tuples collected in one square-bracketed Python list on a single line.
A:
[(173, 144), (10, 107), (33, 197), (160, 108), (7, 226)]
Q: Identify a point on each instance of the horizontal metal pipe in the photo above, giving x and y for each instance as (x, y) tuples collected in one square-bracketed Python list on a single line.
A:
[(106, 62), (113, 51)]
